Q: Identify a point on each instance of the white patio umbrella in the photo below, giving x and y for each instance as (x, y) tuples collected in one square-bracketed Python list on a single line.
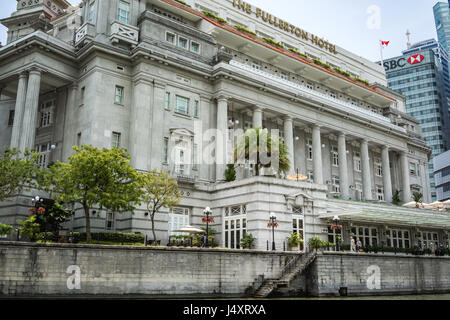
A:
[(437, 204), (190, 230), (447, 203), (428, 206), (412, 204)]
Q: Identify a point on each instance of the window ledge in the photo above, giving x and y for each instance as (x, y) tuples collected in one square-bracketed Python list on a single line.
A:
[(119, 104), (181, 115)]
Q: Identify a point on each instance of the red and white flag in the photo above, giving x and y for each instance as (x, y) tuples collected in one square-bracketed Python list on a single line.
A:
[(384, 43)]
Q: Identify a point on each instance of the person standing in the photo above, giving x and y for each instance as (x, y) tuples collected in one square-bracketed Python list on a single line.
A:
[(358, 245), (352, 244)]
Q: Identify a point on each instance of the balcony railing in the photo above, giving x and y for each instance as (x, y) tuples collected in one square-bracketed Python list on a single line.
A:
[(125, 33), (185, 173), (303, 91), (85, 32)]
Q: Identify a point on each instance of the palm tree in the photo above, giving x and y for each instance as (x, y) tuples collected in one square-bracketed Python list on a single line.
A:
[(259, 141), (418, 197)]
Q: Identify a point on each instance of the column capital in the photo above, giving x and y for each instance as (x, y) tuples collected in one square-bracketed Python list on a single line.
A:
[(288, 118), (23, 74), (35, 70), (316, 126), (342, 134), (222, 98)]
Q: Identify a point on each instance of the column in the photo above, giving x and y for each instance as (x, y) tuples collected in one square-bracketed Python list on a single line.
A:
[(317, 155), (365, 167), (406, 185), (221, 138), (387, 182), (257, 118), (343, 170), (156, 130), (141, 126), (28, 133), (289, 141), (19, 110), (71, 122)]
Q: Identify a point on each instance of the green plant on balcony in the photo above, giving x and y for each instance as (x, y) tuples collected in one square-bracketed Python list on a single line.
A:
[(248, 241), (298, 53), (315, 243), (212, 15), (320, 63), (230, 173), (183, 3), (362, 81), (396, 197), (272, 42), (241, 28), (344, 73)]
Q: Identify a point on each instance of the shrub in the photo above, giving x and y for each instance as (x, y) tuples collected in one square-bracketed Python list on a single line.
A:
[(294, 240), (320, 63), (344, 73), (5, 229), (109, 237), (298, 53), (315, 243), (212, 15), (245, 30), (230, 173), (183, 3), (272, 42), (362, 81), (30, 228), (248, 241)]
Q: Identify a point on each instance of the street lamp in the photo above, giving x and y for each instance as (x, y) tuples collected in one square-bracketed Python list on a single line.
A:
[(337, 227), (273, 223), (207, 212)]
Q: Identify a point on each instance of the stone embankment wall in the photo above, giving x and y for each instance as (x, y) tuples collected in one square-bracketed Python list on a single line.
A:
[(370, 274), (36, 269), (75, 270)]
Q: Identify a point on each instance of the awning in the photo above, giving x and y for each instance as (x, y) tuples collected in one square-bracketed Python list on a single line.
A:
[(385, 214)]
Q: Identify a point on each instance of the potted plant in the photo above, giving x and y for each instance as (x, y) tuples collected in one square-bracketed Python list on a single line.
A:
[(315, 243), (248, 241), (294, 242)]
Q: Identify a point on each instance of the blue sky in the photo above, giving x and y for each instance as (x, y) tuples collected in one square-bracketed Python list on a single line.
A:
[(346, 23)]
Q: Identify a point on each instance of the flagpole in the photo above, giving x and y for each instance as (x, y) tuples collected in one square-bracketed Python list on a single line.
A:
[(381, 53)]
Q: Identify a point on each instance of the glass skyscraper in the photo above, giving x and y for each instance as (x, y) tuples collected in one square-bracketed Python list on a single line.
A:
[(442, 19), (421, 75)]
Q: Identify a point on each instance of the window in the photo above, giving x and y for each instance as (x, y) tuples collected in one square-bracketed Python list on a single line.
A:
[(412, 169), (297, 224), (119, 95), (310, 149), (11, 118), (235, 226), (380, 193), (170, 37), (182, 105), (195, 47), (335, 184), (178, 218), (357, 161), (109, 223), (367, 235), (45, 119), (311, 176), (123, 12), (166, 150), (398, 238), (182, 42), (333, 235), (83, 91), (44, 154), (427, 238), (196, 108), (378, 168), (116, 140), (335, 156), (167, 101), (91, 12)]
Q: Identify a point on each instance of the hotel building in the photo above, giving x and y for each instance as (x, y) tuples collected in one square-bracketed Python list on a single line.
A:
[(149, 75)]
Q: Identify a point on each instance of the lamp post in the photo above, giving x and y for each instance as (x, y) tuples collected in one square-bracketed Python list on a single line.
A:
[(273, 223), (207, 212), (38, 202), (337, 227)]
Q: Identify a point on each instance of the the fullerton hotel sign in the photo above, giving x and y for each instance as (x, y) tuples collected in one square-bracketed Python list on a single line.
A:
[(283, 25)]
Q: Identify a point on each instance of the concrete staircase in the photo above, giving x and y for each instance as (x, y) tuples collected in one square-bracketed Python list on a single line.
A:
[(294, 268)]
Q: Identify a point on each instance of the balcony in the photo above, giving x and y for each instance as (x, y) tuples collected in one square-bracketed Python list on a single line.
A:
[(340, 106), (185, 174), (125, 33), (85, 32)]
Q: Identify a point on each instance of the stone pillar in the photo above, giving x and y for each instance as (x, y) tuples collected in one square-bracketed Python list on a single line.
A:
[(19, 110), (141, 125), (365, 167), (28, 133), (257, 118), (343, 170), (157, 127), (71, 122), (289, 141), (221, 139), (317, 155), (406, 185), (387, 182)]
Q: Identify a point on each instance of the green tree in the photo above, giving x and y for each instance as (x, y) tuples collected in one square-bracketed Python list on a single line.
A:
[(16, 172), (230, 173), (30, 227), (159, 190), (258, 142), (95, 177)]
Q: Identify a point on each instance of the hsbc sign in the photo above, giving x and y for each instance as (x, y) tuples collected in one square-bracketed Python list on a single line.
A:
[(403, 62)]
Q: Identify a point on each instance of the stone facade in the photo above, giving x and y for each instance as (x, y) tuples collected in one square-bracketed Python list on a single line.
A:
[(166, 82)]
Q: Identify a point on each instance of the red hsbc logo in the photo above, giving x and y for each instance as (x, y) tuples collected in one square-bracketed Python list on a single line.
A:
[(418, 58)]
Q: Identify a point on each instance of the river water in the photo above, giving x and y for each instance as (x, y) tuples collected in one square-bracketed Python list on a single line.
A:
[(407, 297)]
